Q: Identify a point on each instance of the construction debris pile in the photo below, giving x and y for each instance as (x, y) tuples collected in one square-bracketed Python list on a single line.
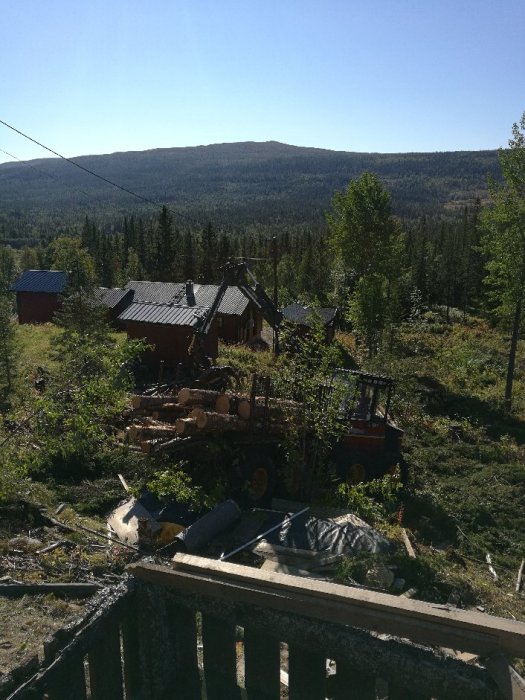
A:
[(161, 422)]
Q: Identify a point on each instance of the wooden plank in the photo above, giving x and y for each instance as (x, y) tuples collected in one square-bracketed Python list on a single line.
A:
[(105, 666), (130, 648), (187, 683), (348, 683), (71, 684), (421, 622), (387, 658), (508, 680), (520, 576), (157, 643), (306, 673), (408, 544), (219, 658), (261, 665)]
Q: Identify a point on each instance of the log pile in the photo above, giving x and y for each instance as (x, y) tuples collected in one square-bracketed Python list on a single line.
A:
[(160, 423)]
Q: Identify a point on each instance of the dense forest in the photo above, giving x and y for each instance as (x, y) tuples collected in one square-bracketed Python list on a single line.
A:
[(271, 187)]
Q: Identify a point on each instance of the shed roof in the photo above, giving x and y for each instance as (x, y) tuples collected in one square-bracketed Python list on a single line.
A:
[(303, 315), (163, 314), (113, 297), (157, 292), (49, 281)]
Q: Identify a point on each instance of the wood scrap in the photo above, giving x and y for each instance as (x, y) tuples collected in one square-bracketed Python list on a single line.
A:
[(123, 482), (309, 559), (520, 576), (491, 568), (51, 547), (76, 589), (408, 544)]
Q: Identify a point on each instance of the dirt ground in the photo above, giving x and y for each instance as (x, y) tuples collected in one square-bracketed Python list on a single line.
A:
[(32, 551), (27, 621)]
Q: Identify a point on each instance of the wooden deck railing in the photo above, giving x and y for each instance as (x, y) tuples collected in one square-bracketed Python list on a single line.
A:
[(214, 630)]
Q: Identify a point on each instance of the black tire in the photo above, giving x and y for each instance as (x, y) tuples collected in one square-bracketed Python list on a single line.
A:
[(352, 467), (258, 475)]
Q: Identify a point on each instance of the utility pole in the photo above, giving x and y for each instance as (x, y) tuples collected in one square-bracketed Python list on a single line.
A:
[(275, 293)]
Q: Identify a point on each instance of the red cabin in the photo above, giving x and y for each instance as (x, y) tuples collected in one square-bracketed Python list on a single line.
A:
[(38, 295)]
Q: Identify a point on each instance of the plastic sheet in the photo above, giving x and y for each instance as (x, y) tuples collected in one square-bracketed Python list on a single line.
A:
[(317, 535)]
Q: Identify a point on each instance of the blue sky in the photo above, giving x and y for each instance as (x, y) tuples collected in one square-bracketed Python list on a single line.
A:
[(101, 76)]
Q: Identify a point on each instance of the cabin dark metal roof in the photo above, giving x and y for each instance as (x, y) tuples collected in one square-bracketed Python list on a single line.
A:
[(163, 314), (233, 303), (157, 292), (304, 315), (48, 281), (113, 297)]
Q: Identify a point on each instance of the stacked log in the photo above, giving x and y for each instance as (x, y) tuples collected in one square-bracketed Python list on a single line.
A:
[(226, 403), (169, 420), (186, 426), (275, 408), (140, 401), (213, 422), (138, 432), (170, 412), (197, 397)]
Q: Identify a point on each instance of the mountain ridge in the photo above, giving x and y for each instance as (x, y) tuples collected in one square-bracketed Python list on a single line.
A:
[(234, 184)]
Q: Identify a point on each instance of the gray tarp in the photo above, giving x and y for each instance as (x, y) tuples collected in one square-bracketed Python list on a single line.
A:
[(315, 534)]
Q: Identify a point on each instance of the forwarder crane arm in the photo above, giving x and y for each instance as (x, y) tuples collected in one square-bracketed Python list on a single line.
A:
[(240, 275), (237, 275)]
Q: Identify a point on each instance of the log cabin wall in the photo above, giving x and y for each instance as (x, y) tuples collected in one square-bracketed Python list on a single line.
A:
[(169, 343), (240, 328)]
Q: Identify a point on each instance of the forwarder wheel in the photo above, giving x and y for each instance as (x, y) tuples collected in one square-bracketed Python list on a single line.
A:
[(356, 473), (258, 475), (352, 467)]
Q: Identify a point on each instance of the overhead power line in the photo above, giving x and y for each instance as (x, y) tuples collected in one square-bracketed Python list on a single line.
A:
[(86, 170), (40, 171)]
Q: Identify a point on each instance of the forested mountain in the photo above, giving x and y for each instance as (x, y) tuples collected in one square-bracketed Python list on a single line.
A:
[(232, 185)]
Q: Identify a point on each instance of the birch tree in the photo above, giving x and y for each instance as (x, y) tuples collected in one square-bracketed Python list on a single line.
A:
[(503, 243)]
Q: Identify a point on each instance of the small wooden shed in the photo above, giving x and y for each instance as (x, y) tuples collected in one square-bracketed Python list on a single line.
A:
[(38, 295), (303, 318), (115, 300), (238, 319), (169, 329)]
